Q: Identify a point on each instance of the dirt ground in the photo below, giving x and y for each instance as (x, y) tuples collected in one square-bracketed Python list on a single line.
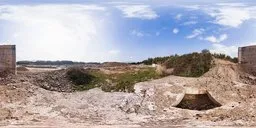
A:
[(23, 104)]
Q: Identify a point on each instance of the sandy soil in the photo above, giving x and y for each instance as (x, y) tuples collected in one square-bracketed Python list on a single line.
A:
[(22, 104)]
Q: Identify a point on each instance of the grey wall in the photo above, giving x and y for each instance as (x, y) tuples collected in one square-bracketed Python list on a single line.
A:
[(8, 58), (247, 57)]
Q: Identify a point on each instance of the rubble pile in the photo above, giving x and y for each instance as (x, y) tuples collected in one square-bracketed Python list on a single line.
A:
[(53, 81)]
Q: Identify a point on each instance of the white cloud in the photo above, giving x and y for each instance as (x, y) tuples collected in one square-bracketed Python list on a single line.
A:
[(190, 23), (138, 11), (196, 33), (191, 7), (178, 16), (214, 39), (57, 32), (227, 14), (137, 33), (114, 52), (232, 4), (228, 50), (175, 30), (230, 16), (157, 33)]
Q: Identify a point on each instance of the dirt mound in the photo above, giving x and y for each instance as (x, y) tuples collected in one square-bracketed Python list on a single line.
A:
[(22, 68), (114, 64), (53, 81), (227, 82), (224, 70)]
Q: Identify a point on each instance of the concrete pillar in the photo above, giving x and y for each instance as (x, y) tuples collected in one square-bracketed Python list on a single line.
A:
[(8, 58), (239, 55)]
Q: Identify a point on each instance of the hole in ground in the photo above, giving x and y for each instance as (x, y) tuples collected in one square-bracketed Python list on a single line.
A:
[(198, 102)]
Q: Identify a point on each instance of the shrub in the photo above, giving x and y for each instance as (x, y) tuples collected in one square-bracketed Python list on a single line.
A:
[(190, 65), (124, 86), (79, 76), (225, 57), (125, 82)]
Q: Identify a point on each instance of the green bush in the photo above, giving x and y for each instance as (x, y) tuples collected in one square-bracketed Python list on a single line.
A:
[(225, 57), (125, 82), (79, 76), (189, 65), (192, 65), (124, 86)]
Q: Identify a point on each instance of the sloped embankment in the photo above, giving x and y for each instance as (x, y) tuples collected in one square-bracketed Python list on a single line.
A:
[(224, 83)]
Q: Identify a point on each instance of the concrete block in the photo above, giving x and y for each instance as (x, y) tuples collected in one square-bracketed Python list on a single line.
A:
[(8, 58), (247, 58)]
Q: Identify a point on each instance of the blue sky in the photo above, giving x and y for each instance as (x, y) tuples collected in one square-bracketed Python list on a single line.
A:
[(124, 30)]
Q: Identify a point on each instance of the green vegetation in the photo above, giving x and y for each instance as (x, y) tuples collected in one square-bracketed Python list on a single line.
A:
[(85, 79), (81, 77), (189, 65), (124, 82), (225, 57), (161, 60)]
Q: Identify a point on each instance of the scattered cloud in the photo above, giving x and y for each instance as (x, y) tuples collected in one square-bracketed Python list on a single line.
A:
[(231, 50), (227, 14), (189, 23), (232, 4), (54, 31), (193, 17), (137, 33), (214, 39), (178, 16), (191, 7), (196, 33), (114, 52), (230, 16), (138, 11), (157, 33), (175, 30), (228, 50)]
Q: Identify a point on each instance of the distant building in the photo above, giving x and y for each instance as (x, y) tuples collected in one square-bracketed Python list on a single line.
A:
[(247, 57), (8, 58)]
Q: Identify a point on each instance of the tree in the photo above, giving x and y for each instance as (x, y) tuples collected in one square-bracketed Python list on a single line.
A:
[(205, 51)]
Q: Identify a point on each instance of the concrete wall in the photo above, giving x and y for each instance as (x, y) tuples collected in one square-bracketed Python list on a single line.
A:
[(247, 57), (8, 58)]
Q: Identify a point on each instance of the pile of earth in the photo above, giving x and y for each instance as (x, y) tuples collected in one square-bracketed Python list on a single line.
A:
[(114, 64), (53, 81), (22, 68)]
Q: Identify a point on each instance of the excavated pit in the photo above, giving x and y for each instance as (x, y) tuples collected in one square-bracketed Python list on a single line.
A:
[(195, 99)]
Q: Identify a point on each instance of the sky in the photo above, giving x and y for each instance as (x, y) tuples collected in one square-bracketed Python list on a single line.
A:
[(125, 30)]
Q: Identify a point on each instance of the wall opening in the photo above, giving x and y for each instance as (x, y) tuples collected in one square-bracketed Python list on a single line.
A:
[(197, 99), (197, 102)]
